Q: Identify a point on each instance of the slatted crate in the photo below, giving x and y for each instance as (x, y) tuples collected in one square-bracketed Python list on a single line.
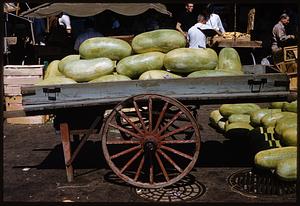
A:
[(15, 77)]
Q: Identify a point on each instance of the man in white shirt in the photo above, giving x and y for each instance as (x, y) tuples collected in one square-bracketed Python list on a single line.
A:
[(195, 36), (214, 20), (65, 21)]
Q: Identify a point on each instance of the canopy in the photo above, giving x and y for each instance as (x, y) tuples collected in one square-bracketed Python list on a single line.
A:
[(10, 7), (91, 9)]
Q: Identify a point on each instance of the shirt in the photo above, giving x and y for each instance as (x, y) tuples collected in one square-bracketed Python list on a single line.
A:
[(64, 20), (215, 22), (196, 37), (279, 35), (187, 20)]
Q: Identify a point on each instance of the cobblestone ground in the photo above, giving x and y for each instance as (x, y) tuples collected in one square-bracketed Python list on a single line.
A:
[(34, 169)]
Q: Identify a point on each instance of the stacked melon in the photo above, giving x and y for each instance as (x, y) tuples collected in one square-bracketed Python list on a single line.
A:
[(249, 120), (158, 54)]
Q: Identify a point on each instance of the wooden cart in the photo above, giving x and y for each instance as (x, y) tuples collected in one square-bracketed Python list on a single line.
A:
[(149, 134)]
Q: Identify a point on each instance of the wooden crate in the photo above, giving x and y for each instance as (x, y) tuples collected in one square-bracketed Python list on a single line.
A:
[(13, 103), (15, 77), (290, 68)]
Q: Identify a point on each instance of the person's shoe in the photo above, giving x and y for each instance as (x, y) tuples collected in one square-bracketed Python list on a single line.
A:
[(42, 44)]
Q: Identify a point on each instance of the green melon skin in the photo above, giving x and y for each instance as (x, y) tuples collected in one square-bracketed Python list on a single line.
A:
[(211, 73), (52, 70), (84, 70), (290, 107), (161, 40), (289, 136), (114, 49), (133, 66), (284, 123), (276, 105), (269, 120), (286, 169), (256, 116), (158, 74), (187, 60), (229, 59), (65, 60), (239, 118), (56, 80), (245, 108), (110, 78), (268, 159), (215, 117)]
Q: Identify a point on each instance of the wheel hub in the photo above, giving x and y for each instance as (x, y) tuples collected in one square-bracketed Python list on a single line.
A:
[(150, 146)]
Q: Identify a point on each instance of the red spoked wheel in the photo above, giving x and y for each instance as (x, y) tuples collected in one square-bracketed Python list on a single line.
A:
[(151, 141)]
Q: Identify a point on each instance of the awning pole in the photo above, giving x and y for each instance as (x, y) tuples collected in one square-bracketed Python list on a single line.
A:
[(32, 33)]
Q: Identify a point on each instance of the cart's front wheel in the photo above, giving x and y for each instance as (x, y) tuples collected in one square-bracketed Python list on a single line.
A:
[(151, 141)]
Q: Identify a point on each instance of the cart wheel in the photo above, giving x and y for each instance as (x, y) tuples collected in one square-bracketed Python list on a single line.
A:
[(151, 141)]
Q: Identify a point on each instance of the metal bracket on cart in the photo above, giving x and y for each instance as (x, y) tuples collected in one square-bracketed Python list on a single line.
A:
[(256, 85), (51, 92)]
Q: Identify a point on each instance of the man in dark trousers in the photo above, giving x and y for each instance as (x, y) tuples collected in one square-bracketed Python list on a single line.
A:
[(186, 20)]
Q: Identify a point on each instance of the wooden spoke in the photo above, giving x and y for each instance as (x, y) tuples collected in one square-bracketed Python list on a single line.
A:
[(150, 114), (137, 109), (138, 172), (122, 142), (176, 131), (160, 120), (125, 130), (125, 152), (151, 174), (170, 122), (170, 160), (131, 161), (178, 141), (176, 152), (162, 167), (161, 115), (130, 122)]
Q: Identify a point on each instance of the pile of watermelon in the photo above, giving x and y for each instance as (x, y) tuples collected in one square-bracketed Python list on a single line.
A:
[(158, 54), (274, 128)]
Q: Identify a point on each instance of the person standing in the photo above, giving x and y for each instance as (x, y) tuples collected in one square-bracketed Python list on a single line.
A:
[(196, 37), (186, 20), (213, 20)]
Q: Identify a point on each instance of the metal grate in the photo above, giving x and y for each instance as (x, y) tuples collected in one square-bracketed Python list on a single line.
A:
[(256, 183), (184, 190)]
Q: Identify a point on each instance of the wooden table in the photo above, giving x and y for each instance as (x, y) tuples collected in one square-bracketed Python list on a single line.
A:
[(237, 43)]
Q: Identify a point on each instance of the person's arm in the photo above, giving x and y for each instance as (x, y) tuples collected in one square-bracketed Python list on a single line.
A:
[(178, 27), (282, 35)]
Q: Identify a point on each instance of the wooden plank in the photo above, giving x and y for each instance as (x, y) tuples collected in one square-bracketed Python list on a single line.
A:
[(13, 107), (41, 119), (115, 91), (15, 80), (14, 99), (12, 90), (23, 66), (16, 113), (23, 72)]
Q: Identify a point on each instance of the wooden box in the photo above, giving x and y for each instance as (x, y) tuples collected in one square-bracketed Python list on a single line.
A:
[(15, 77), (14, 103)]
